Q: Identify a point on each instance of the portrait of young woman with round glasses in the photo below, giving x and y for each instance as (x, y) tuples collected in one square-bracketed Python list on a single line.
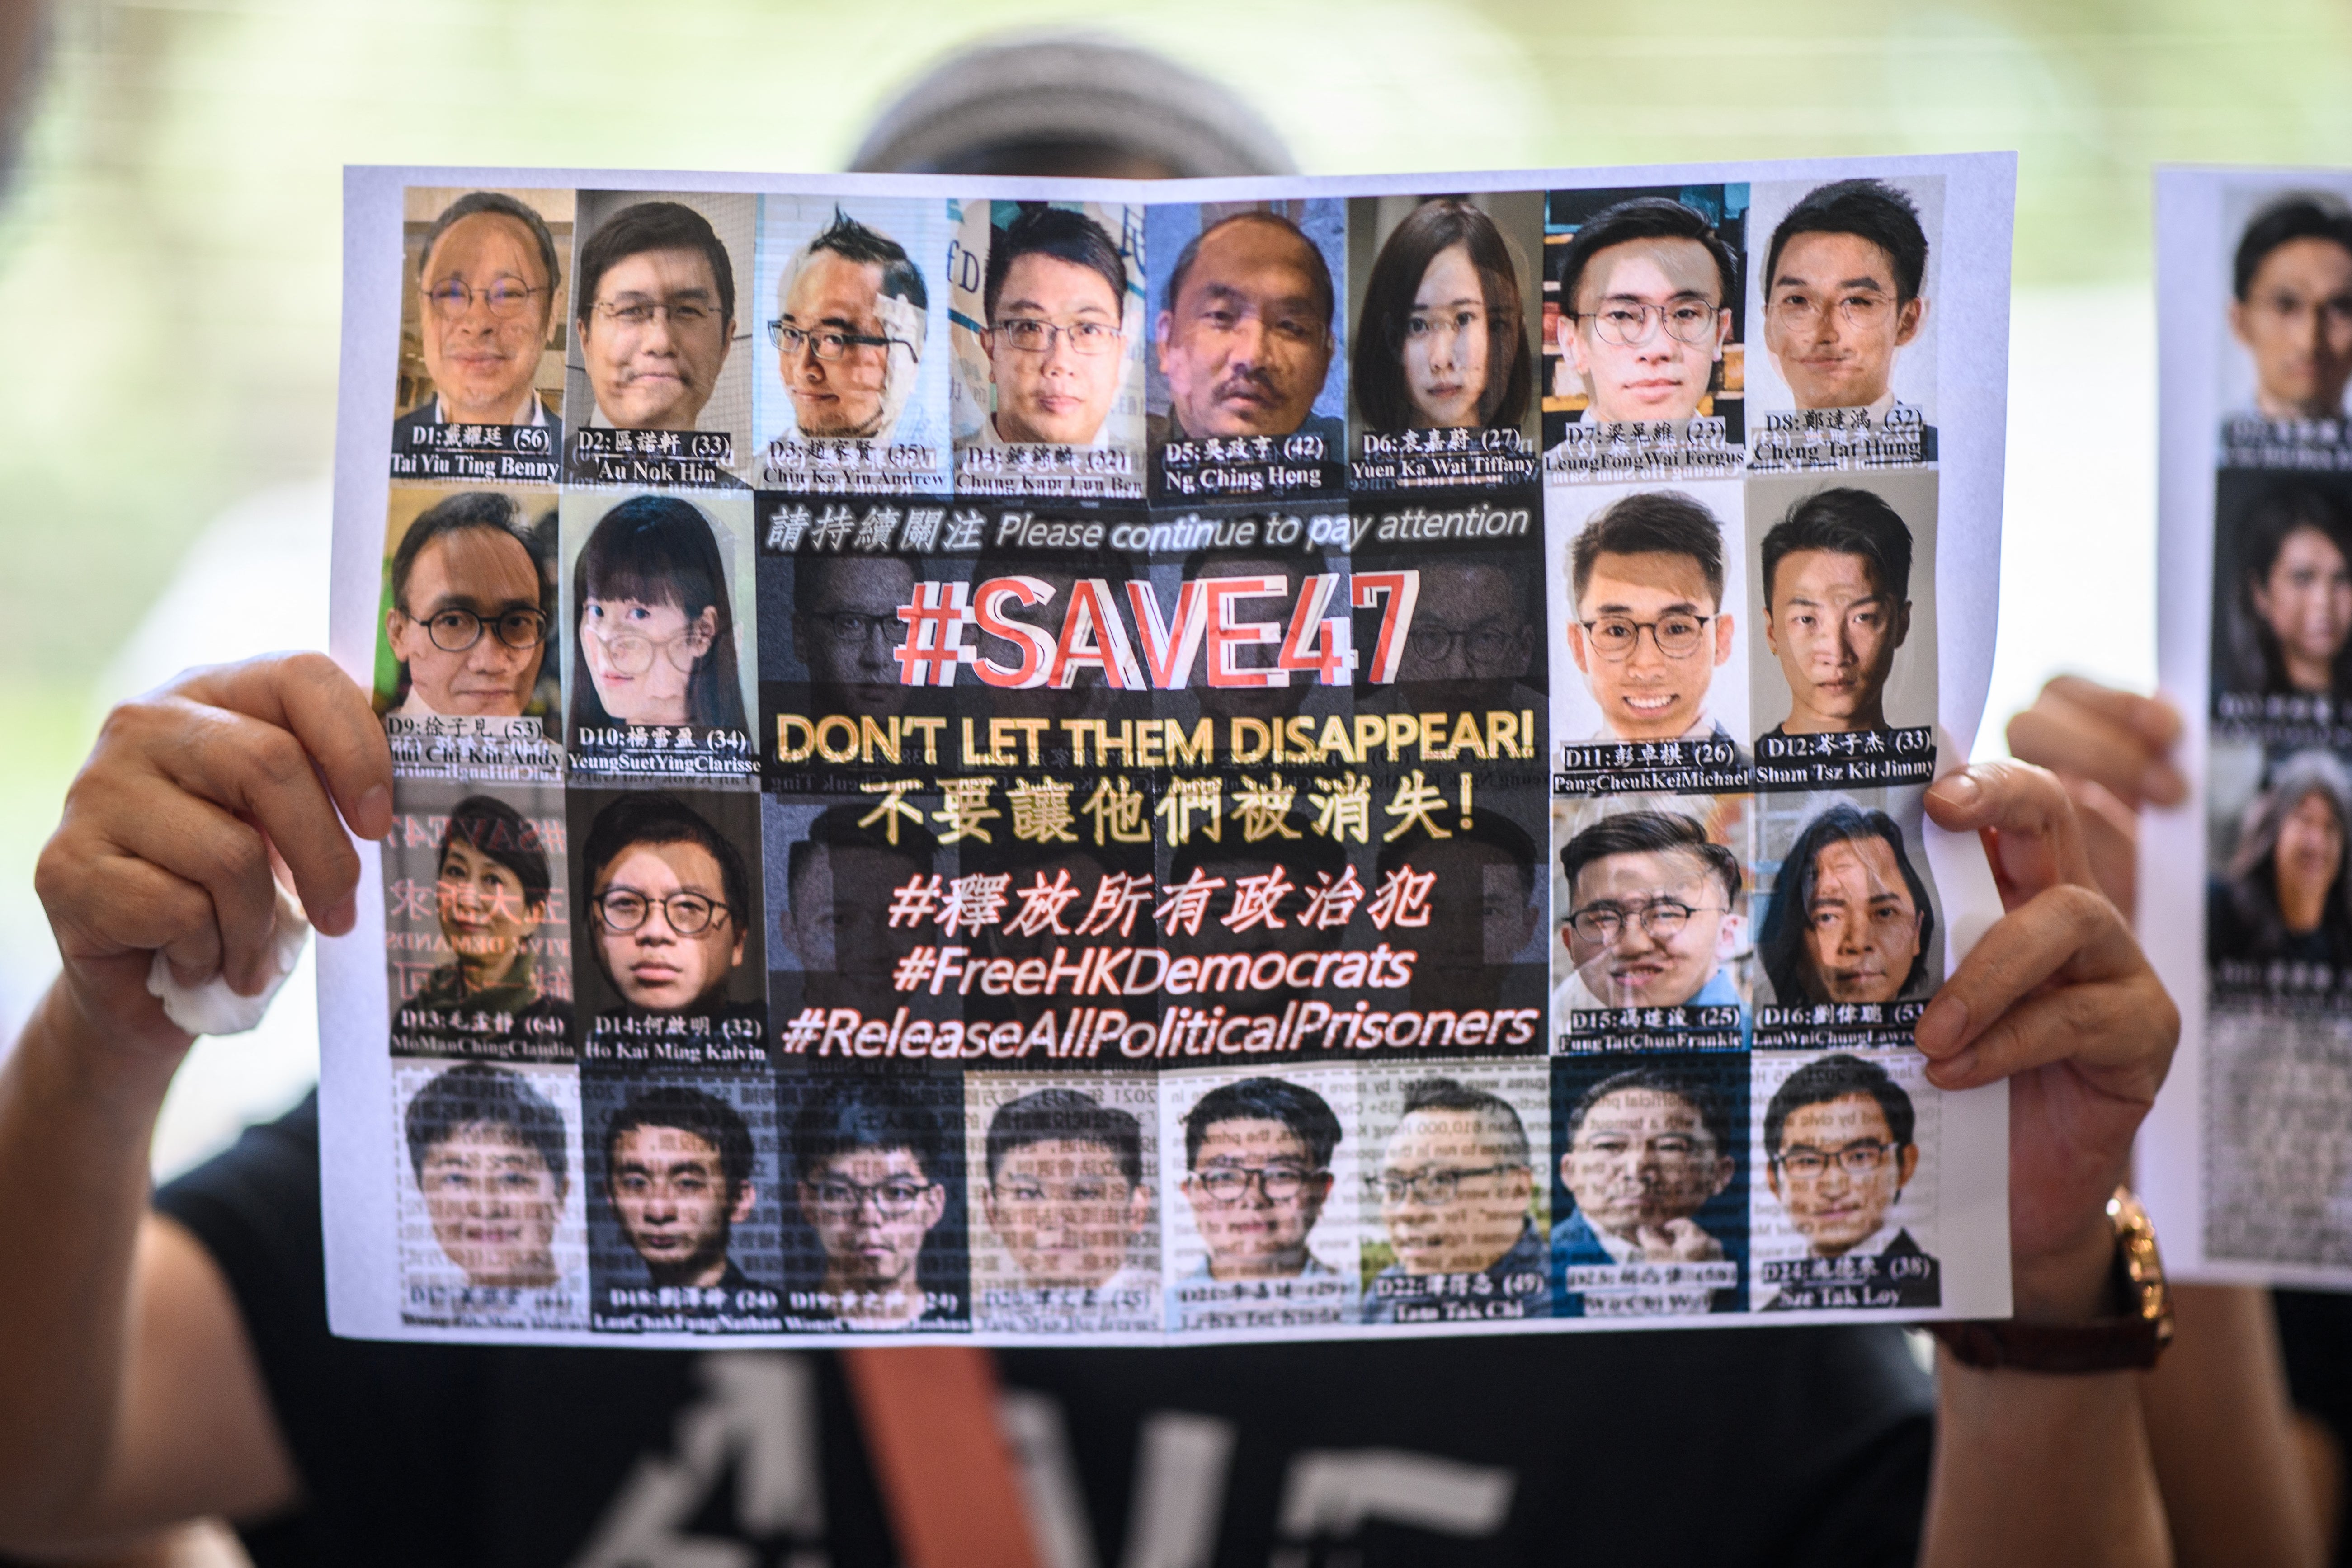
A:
[(466, 611), (1442, 341), (656, 622), (486, 279)]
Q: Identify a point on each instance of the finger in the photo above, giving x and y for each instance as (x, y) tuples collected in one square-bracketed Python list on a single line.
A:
[(2110, 840), (2062, 927), (2119, 1034), (2028, 823), (261, 772), (2070, 738), (198, 842), (129, 905), (308, 695), (2154, 717)]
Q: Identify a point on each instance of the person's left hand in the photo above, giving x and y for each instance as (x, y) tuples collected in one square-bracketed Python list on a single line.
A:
[(2057, 998)]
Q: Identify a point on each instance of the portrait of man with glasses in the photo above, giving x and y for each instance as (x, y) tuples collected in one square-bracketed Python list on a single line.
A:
[(2291, 308), (1842, 290), (851, 333), (1654, 911), (846, 633), (469, 609), (1646, 288), (487, 277), (1475, 642), (668, 915), (1840, 1145), (654, 314), (1644, 1152), (1054, 297), (1836, 581), (1647, 626), (1257, 1174), (1455, 1186), (877, 1181)]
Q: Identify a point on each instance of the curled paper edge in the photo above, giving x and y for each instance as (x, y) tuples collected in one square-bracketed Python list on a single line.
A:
[(213, 1008)]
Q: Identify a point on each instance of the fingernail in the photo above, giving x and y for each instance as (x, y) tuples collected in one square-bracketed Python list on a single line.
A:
[(2162, 784), (1958, 1073), (375, 806), (1942, 1025), (340, 916), (1960, 791)]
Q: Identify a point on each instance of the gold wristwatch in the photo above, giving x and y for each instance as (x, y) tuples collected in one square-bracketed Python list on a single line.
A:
[(2133, 1338)]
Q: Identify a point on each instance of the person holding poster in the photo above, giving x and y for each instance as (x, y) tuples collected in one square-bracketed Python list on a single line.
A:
[(1644, 316), (2292, 306)]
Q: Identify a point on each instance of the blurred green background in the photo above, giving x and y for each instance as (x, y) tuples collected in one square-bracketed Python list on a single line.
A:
[(169, 259)]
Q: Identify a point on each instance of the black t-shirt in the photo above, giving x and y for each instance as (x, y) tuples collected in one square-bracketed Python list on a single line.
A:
[(1789, 1446), (2315, 1342)]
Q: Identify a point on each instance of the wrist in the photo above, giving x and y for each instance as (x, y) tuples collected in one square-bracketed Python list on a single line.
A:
[(2070, 1283), (74, 1049)]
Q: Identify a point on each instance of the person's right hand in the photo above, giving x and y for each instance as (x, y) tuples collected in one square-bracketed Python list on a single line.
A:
[(171, 828), (2112, 750)]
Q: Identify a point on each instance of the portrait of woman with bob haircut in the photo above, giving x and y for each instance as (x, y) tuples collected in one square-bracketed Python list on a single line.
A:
[(1442, 343), (2282, 895), (656, 630), (1850, 918), (2293, 625)]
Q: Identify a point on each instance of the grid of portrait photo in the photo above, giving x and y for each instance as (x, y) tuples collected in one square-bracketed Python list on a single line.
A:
[(2277, 1050), (1056, 768)]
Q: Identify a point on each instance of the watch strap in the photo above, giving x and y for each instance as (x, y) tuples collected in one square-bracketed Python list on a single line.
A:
[(2103, 1345)]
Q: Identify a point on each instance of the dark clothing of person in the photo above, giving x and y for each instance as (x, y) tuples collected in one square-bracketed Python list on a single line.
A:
[(2315, 1330), (2242, 924), (1811, 1445)]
